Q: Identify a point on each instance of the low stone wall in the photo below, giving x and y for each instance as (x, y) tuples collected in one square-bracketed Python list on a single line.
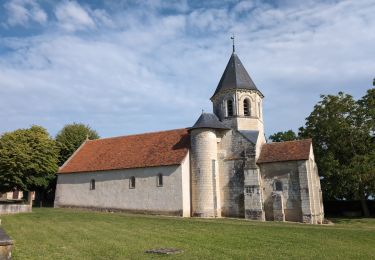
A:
[(14, 208), (6, 244)]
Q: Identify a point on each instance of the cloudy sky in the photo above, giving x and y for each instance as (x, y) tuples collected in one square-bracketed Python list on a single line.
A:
[(126, 67)]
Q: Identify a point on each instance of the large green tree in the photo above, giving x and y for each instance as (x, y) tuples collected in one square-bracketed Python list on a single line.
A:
[(342, 130), (28, 159), (70, 137), (289, 135)]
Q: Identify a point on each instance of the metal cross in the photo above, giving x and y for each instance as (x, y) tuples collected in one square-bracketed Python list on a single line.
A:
[(232, 38)]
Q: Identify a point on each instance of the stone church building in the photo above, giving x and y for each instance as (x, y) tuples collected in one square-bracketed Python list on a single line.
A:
[(219, 167)]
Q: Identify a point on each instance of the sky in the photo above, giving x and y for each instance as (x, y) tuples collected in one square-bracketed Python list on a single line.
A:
[(126, 67)]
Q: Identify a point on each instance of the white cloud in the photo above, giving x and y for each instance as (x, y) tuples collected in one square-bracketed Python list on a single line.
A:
[(102, 17), (21, 12), (71, 16), (244, 6), (210, 20), (152, 71)]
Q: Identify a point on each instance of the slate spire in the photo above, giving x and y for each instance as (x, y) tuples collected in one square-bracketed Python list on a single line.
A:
[(235, 76)]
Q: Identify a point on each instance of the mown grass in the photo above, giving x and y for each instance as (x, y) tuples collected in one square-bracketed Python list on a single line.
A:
[(76, 234)]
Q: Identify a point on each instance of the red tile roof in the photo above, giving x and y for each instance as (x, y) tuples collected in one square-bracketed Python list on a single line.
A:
[(133, 151), (285, 151)]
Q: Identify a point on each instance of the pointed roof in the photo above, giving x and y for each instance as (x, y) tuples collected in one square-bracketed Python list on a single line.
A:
[(209, 120), (235, 76)]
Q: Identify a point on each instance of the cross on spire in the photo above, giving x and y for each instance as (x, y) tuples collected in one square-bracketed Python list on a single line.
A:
[(232, 38)]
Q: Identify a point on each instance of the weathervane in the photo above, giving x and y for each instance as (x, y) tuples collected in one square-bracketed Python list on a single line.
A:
[(232, 38)]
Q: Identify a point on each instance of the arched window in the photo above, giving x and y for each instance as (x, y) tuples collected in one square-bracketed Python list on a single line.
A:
[(132, 182), (278, 186), (92, 184), (159, 180), (229, 108), (246, 107)]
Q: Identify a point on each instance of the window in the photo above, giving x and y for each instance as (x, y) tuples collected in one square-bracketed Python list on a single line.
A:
[(278, 186), (246, 107), (248, 190), (92, 184), (159, 180), (132, 182), (260, 111), (229, 108), (213, 162)]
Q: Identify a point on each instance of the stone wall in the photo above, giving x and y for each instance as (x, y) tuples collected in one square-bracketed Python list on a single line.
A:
[(239, 121), (233, 152), (253, 193), (315, 194), (300, 191), (14, 208), (204, 171), (12, 195), (113, 191), (287, 173)]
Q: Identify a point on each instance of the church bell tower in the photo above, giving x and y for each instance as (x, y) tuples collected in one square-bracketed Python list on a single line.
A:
[(237, 102)]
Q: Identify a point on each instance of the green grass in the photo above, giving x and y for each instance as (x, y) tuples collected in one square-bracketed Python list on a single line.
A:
[(77, 234)]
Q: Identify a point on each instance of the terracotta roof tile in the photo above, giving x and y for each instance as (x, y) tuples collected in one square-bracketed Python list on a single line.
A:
[(285, 151), (133, 151)]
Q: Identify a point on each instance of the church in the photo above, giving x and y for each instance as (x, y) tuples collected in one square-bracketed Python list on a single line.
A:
[(221, 166)]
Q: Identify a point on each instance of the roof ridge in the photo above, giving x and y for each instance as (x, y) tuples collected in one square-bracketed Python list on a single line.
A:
[(291, 141), (146, 133), (235, 70)]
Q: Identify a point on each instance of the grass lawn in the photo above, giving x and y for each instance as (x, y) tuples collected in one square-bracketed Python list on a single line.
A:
[(76, 234)]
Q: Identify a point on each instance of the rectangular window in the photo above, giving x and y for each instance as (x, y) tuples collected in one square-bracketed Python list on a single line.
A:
[(260, 110), (132, 182), (159, 180), (249, 190), (213, 166), (92, 185)]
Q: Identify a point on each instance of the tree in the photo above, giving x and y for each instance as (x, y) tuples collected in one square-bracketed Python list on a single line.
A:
[(70, 138), (342, 132), (28, 159), (283, 136)]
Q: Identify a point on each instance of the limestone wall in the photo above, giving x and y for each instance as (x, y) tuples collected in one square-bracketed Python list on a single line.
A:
[(232, 155), (239, 121), (112, 190), (300, 191), (287, 173), (204, 171), (315, 195), (253, 191), (14, 208), (12, 195)]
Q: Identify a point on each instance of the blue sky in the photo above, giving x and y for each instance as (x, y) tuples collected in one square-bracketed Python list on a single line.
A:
[(127, 67)]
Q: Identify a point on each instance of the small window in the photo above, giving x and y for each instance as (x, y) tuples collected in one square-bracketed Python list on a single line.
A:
[(92, 184), (278, 186), (229, 108), (159, 180), (213, 162), (132, 182), (248, 190), (246, 107), (260, 110)]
